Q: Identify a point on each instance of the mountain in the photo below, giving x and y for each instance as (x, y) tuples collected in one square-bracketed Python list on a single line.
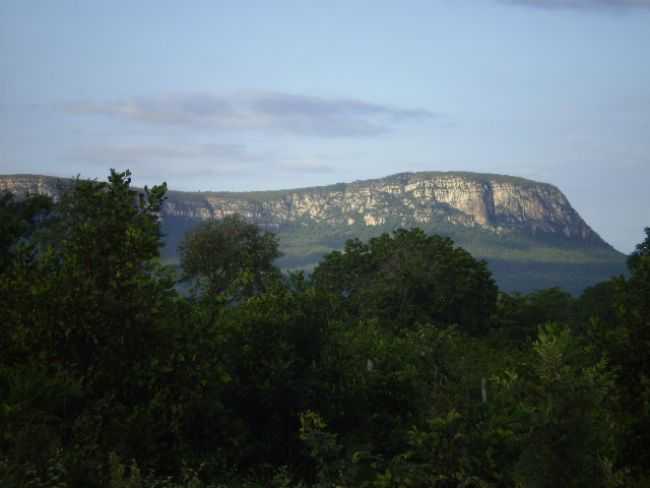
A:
[(527, 231)]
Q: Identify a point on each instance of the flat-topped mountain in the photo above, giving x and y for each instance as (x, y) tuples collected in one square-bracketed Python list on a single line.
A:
[(527, 230)]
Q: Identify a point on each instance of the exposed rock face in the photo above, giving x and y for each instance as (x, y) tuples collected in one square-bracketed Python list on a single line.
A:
[(496, 203), (31, 184), (527, 231)]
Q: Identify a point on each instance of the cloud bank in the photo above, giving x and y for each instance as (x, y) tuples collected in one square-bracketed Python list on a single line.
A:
[(582, 4), (126, 154), (295, 114)]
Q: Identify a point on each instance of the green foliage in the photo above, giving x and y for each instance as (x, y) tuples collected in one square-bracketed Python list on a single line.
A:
[(568, 434), (323, 448), (18, 221), (642, 251), (121, 476), (229, 255), (598, 302), (410, 277), (272, 351), (519, 316), (91, 300), (84, 319), (440, 451), (631, 356), (396, 365)]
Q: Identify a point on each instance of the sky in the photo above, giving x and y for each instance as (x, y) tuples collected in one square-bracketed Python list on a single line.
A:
[(243, 95)]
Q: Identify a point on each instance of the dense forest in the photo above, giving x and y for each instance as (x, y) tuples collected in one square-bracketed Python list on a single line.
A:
[(396, 363)]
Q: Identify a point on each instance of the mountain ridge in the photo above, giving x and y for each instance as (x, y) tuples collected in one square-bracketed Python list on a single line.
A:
[(501, 218)]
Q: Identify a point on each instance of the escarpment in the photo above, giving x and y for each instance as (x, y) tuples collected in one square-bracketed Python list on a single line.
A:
[(498, 204), (527, 231), (494, 203)]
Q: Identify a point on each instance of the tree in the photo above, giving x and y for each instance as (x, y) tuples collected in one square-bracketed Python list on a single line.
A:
[(96, 275), (598, 302), (271, 347), (409, 276), (634, 311), (558, 405), (104, 246), (518, 316), (18, 221), (229, 255), (642, 251), (89, 314)]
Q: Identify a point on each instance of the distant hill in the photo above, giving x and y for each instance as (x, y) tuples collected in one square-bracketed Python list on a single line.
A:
[(527, 231)]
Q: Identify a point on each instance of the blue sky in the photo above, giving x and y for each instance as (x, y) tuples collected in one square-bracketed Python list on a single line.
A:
[(243, 95)]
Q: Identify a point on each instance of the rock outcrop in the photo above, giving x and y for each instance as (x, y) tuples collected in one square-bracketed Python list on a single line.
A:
[(527, 231), (499, 204), (32, 185)]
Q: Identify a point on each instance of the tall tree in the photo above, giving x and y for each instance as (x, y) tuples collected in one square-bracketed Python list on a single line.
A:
[(409, 276), (229, 254), (91, 310), (634, 311)]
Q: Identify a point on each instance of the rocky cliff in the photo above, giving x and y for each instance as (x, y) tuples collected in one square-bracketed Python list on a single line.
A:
[(498, 204), (32, 184), (501, 218)]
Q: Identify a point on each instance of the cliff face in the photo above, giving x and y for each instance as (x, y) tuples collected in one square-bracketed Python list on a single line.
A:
[(498, 204), (527, 231), (495, 203), (31, 184)]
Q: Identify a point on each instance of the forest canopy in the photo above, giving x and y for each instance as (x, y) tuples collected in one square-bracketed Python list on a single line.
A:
[(397, 363)]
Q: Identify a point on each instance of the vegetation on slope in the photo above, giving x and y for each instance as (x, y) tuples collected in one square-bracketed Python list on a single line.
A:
[(397, 364), (548, 259)]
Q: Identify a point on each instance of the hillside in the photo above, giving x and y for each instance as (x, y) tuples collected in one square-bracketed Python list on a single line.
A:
[(527, 231)]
